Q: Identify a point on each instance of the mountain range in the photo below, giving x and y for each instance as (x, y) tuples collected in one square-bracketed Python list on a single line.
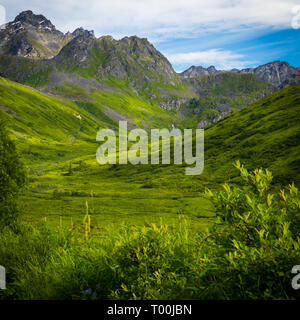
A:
[(85, 70), (55, 104), (277, 73), (147, 231)]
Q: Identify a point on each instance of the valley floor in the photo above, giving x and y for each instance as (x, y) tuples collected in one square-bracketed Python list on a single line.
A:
[(115, 195)]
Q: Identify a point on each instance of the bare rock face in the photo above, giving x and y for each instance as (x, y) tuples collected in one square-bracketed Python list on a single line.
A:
[(76, 52), (199, 71), (173, 103), (277, 73), (37, 21), (80, 31), (208, 122)]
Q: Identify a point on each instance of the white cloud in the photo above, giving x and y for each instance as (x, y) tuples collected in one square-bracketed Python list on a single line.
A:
[(2, 16), (161, 18), (221, 59)]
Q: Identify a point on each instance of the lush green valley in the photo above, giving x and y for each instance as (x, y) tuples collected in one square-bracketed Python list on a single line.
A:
[(73, 229), (60, 155)]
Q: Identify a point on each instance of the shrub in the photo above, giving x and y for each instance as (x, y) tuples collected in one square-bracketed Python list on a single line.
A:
[(255, 243), (247, 254), (12, 177)]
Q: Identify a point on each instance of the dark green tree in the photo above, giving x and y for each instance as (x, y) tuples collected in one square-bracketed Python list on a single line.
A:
[(12, 177)]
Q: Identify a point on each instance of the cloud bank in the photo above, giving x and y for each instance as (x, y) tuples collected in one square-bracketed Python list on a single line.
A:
[(162, 18), (221, 59)]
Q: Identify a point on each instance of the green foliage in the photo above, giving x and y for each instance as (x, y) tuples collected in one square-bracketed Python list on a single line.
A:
[(12, 177), (223, 93), (256, 241), (40, 78), (247, 254), (264, 134), (154, 263)]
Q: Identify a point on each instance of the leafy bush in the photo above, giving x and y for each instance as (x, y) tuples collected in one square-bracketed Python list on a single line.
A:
[(247, 254), (12, 176), (256, 241)]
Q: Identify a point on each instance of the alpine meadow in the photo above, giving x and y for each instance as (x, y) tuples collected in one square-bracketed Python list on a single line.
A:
[(73, 227)]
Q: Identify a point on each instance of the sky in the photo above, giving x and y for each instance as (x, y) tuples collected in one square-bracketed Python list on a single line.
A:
[(227, 34)]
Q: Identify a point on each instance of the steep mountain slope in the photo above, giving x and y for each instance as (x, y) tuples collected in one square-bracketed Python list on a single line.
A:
[(82, 60), (52, 126), (97, 72), (277, 73), (221, 94), (266, 134), (59, 149)]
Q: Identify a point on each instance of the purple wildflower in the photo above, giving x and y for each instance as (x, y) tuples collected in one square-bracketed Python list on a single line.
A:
[(88, 291)]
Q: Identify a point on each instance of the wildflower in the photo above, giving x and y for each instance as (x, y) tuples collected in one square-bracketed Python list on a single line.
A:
[(88, 291)]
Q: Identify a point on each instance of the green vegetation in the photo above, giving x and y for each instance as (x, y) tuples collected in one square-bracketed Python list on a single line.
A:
[(247, 254), (23, 70), (40, 78), (141, 231), (50, 140), (264, 134), (50, 137), (221, 94), (255, 241), (12, 177)]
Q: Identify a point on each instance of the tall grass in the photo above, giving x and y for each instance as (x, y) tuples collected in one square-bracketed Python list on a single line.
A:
[(247, 254)]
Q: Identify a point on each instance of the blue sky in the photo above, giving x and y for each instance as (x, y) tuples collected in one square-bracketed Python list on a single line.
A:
[(225, 33), (245, 49)]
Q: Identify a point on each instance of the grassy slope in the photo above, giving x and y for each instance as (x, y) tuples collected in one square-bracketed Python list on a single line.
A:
[(263, 134), (266, 134), (143, 88), (51, 139), (124, 102), (120, 97)]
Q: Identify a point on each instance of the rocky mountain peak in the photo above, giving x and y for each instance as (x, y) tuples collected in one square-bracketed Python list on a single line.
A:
[(277, 73), (80, 31), (129, 58), (37, 21), (212, 70), (77, 51), (194, 71), (32, 36)]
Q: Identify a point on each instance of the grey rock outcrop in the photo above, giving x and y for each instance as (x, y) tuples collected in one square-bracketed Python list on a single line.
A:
[(277, 73)]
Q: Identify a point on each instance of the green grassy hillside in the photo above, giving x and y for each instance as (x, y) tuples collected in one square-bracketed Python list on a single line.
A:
[(264, 134), (59, 150)]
